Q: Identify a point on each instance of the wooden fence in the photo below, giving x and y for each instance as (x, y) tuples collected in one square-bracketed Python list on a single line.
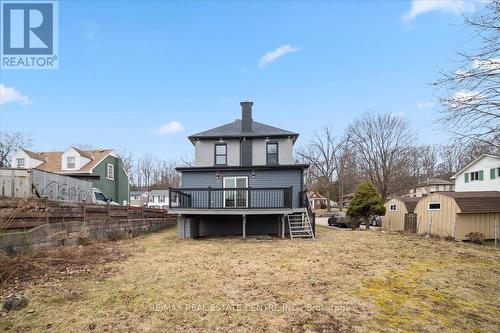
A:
[(28, 213)]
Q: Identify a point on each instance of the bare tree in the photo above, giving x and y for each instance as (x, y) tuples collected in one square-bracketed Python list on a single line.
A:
[(10, 143), (322, 154), (343, 155), (383, 142), (429, 159), (187, 160), (128, 161), (471, 96), (146, 169)]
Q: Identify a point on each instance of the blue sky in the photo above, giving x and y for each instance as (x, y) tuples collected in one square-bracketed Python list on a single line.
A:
[(128, 69)]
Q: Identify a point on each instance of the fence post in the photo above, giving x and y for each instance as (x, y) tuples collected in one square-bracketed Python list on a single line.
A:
[(46, 210), (209, 197), (249, 197), (84, 211), (108, 219)]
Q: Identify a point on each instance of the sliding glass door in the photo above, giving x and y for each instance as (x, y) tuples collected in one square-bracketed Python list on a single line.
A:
[(236, 198)]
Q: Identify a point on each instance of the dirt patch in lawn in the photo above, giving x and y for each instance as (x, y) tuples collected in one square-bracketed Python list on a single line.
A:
[(51, 265), (344, 281)]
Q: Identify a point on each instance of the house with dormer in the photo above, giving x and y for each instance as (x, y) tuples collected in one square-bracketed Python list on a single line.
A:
[(102, 167), (244, 181)]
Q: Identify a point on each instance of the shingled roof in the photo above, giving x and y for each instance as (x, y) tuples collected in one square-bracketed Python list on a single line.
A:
[(410, 203), (476, 202), (233, 130), (52, 160)]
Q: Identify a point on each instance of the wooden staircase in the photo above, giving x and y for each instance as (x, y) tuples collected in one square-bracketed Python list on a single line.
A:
[(300, 226)]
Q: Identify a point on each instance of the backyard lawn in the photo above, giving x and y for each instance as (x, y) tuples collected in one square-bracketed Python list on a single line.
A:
[(344, 281)]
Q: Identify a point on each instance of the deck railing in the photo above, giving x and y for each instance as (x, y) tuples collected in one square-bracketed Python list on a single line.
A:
[(231, 198)]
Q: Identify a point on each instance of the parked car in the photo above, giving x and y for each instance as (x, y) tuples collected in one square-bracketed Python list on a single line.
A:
[(99, 198), (339, 219), (376, 221)]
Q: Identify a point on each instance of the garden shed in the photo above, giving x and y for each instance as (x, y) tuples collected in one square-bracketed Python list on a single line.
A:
[(398, 210), (455, 214)]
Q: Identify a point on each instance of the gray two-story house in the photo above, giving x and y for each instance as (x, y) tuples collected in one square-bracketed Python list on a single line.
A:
[(244, 181)]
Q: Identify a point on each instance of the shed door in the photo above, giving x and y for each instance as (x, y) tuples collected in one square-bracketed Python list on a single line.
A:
[(411, 222), (236, 198)]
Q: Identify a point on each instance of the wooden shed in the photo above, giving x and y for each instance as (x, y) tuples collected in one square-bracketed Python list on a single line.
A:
[(456, 214), (399, 210)]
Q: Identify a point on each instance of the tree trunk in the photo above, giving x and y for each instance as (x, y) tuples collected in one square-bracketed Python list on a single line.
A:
[(328, 208), (367, 222), (341, 194)]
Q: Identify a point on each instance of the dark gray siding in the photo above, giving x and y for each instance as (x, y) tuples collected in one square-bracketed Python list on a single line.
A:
[(263, 178)]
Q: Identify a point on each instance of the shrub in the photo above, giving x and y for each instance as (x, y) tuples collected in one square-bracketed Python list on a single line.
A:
[(365, 203), (354, 222), (475, 237)]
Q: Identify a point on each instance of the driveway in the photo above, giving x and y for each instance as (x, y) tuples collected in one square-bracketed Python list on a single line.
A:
[(322, 221)]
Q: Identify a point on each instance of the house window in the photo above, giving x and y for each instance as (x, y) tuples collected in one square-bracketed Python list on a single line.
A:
[(392, 207), (434, 206), (498, 172), (70, 162), (21, 162), (151, 199), (220, 154), (272, 153), (110, 172), (474, 176)]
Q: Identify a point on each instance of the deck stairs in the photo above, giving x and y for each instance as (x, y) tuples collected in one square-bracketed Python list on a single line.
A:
[(300, 226)]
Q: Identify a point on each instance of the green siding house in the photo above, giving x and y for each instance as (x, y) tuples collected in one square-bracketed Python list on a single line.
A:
[(100, 166)]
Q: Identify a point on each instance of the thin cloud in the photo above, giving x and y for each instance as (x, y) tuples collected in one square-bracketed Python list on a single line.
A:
[(12, 95), (170, 128), (456, 7), (274, 55), (425, 105), (91, 30)]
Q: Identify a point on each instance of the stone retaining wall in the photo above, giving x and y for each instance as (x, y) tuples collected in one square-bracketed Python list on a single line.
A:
[(73, 233)]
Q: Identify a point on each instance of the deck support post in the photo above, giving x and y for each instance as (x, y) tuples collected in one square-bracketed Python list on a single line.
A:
[(282, 226), (244, 226)]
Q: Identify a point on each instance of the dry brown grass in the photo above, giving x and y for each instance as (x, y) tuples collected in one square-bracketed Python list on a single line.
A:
[(344, 281)]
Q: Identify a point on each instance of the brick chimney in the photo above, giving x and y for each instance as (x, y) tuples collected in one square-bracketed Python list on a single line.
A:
[(246, 116)]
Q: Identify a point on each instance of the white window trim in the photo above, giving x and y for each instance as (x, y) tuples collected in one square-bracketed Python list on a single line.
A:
[(395, 207), (107, 171), (235, 179), (470, 176), (431, 203), (67, 162), (21, 159)]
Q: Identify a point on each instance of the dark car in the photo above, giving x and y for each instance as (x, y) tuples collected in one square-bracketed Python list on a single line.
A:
[(338, 219)]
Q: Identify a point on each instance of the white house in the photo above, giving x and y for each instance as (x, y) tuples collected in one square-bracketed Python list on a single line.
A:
[(482, 174), (431, 185), (25, 159), (157, 199)]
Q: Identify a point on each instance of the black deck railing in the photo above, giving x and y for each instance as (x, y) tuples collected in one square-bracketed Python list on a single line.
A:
[(231, 198)]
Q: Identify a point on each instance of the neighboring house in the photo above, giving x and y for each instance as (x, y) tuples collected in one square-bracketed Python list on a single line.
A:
[(482, 174), (138, 198), (346, 199), (397, 211), (158, 199), (244, 181), (101, 167), (316, 200), (432, 185), (455, 214)]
